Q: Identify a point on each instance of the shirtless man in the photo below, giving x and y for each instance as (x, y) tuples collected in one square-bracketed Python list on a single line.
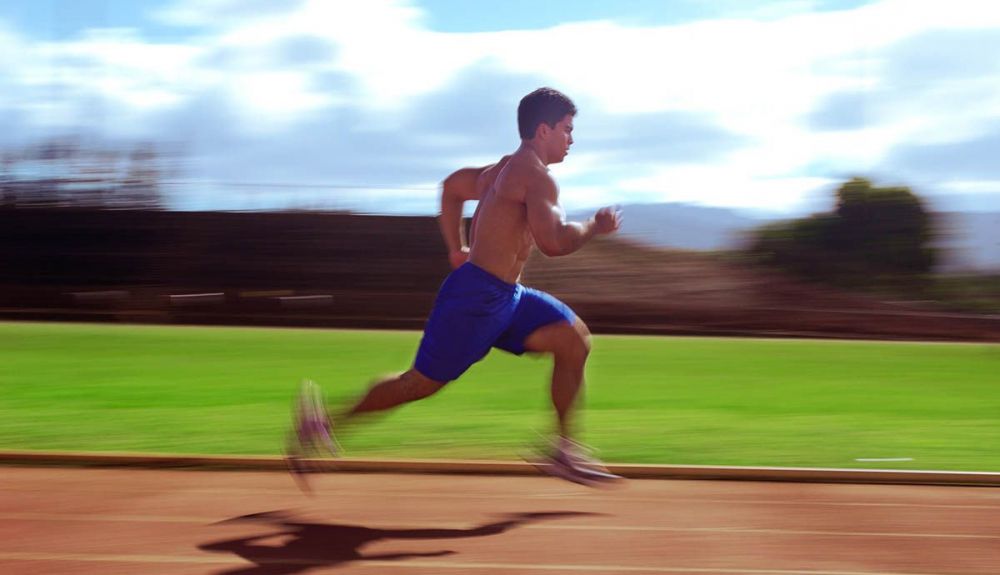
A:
[(481, 305)]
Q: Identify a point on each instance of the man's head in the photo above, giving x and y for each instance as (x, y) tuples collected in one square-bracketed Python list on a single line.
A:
[(546, 116)]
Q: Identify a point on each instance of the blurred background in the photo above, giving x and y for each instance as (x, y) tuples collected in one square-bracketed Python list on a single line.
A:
[(785, 168)]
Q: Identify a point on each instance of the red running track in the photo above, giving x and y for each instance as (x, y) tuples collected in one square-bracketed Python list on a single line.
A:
[(101, 521)]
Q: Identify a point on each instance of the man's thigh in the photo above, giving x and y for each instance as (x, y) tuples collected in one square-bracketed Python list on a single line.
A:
[(539, 321)]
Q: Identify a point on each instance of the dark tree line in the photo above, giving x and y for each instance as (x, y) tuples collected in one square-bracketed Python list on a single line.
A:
[(874, 235)]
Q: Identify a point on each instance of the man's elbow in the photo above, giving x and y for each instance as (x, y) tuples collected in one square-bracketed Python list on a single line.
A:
[(551, 249), (448, 187), (460, 185)]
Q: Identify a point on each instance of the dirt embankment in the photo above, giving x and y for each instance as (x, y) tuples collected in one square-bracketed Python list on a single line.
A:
[(314, 269), (618, 286)]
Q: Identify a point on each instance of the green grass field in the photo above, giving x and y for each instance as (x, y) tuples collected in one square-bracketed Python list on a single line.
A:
[(649, 399)]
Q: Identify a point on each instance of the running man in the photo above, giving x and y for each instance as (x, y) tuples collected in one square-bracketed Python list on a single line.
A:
[(481, 305)]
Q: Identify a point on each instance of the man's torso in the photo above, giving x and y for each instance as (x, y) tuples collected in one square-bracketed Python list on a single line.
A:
[(500, 239)]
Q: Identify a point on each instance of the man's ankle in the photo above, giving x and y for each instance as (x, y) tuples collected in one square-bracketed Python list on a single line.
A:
[(564, 443)]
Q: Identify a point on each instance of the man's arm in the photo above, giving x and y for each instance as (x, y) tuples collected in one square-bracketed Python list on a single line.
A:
[(457, 189), (553, 235)]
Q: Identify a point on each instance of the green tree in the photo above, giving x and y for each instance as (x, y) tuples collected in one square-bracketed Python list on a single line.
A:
[(883, 229), (874, 234)]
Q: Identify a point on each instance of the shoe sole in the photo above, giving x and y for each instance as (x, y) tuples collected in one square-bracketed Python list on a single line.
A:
[(562, 471)]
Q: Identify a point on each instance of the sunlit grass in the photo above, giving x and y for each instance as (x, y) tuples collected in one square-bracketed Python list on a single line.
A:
[(649, 399)]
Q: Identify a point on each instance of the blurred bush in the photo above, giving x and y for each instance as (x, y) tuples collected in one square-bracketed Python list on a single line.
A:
[(69, 172), (875, 236)]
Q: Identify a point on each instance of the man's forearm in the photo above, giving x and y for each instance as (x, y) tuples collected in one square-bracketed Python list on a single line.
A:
[(574, 235), (457, 188), (451, 223)]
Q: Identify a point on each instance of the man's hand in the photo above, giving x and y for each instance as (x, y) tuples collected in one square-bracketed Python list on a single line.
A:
[(607, 220), (458, 257)]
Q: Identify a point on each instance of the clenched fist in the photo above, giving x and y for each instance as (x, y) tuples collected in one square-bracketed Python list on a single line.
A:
[(607, 220)]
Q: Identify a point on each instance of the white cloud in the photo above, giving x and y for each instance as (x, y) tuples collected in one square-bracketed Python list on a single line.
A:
[(9, 46), (709, 186), (757, 78), (274, 97)]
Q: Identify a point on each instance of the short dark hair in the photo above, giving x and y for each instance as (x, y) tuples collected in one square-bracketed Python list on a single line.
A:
[(543, 105)]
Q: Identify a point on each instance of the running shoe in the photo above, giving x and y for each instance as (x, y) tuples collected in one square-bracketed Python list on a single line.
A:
[(311, 435), (572, 461)]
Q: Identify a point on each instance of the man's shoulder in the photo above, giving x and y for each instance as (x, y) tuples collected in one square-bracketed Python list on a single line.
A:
[(522, 177), (526, 169)]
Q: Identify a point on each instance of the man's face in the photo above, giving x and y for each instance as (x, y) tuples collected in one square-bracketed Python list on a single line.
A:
[(560, 139)]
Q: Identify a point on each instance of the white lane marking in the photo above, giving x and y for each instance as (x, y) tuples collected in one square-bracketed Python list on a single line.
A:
[(587, 496), (111, 518), (882, 459), (107, 518), (763, 531), (418, 564)]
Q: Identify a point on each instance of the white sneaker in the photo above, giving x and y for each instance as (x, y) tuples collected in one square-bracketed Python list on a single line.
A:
[(572, 461), (312, 433)]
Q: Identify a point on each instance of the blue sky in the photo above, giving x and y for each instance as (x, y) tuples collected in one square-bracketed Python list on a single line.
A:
[(368, 105), (459, 16), (54, 19)]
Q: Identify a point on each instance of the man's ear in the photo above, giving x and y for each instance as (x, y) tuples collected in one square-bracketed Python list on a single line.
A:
[(543, 130)]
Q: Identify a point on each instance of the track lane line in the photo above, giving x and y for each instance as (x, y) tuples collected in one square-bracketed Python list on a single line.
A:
[(420, 564), (576, 496), (208, 521)]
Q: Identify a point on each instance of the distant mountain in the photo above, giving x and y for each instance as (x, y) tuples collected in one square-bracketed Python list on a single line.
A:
[(682, 226), (987, 203), (970, 241)]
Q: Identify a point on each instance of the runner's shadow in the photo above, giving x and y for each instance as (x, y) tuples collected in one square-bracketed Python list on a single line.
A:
[(296, 547)]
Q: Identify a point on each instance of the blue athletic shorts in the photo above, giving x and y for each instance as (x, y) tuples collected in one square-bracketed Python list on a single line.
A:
[(475, 311)]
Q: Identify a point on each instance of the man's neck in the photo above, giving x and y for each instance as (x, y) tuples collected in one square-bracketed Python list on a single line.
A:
[(530, 148)]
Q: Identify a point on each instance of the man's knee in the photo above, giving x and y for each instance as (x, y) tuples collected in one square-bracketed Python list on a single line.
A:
[(581, 343), (574, 342), (583, 332), (568, 341)]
